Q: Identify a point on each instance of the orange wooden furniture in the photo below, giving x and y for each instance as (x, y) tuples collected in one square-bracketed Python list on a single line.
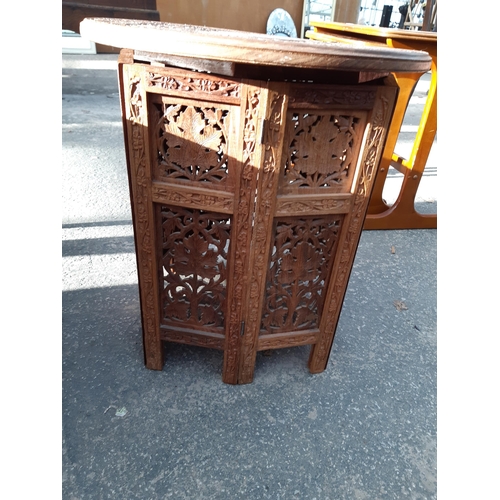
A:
[(249, 183), (401, 215)]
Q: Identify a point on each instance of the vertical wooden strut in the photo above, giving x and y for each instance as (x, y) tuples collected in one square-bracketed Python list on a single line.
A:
[(267, 162), (251, 112), (135, 118)]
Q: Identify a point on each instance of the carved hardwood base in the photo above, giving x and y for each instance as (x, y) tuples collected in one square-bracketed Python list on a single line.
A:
[(248, 200)]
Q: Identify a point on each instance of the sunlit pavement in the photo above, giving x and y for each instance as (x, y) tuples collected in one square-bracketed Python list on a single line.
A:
[(363, 429)]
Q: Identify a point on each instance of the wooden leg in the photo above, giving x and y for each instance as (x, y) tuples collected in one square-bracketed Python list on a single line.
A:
[(132, 97), (402, 215), (269, 156), (406, 83)]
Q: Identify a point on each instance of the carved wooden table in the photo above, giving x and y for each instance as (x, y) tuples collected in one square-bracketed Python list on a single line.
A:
[(249, 181), (402, 214)]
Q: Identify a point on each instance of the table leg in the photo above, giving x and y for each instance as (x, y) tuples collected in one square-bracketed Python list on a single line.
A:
[(402, 215), (406, 83)]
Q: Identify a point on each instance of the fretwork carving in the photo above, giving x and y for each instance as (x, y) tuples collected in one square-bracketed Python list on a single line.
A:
[(300, 265), (320, 151), (191, 143), (212, 86), (195, 245)]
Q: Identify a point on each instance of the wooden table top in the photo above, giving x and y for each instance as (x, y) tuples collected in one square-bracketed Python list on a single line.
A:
[(215, 44), (384, 33)]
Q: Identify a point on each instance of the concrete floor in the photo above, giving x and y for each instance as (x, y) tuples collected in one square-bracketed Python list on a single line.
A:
[(363, 429)]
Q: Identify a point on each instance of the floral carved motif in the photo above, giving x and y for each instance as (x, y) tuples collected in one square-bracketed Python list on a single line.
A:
[(320, 151), (191, 143), (215, 87), (299, 269), (194, 263)]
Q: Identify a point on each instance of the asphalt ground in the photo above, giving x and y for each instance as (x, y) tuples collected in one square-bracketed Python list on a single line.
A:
[(363, 429)]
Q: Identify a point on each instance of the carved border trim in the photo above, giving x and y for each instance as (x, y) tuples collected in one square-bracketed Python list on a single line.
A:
[(190, 197), (317, 96), (262, 230), (183, 83), (302, 205), (143, 214), (241, 232)]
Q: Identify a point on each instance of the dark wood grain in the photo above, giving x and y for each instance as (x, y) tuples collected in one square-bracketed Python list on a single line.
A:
[(251, 48)]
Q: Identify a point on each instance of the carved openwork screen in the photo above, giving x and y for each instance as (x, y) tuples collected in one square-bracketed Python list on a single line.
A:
[(194, 262), (196, 164), (248, 200), (321, 150), (192, 142), (299, 269)]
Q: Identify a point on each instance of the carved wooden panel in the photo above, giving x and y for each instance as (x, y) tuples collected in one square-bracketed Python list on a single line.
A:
[(320, 150), (298, 273), (192, 143), (370, 158), (269, 159), (194, 266)]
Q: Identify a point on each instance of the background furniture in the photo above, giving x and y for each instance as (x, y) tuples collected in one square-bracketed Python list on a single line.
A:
[(401, 215), (73, 13)]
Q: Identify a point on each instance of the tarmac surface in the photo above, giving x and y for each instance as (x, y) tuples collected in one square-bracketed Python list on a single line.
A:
[(363, 429)]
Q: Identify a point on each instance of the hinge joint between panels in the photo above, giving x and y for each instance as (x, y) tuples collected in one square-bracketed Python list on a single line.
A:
[(263, 130)]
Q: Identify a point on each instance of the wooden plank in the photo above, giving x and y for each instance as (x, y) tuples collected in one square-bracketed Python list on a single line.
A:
[(186, 336), (225, 68), (282, 340), (193, 197), (313, 204)]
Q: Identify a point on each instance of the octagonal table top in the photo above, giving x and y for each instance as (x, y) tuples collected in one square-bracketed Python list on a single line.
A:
[(214, 44)]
